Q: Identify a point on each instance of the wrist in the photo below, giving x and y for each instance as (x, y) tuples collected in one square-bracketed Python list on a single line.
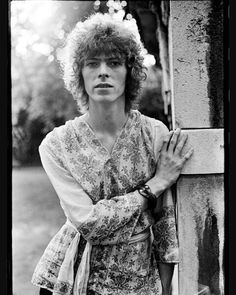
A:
[(157, 186)]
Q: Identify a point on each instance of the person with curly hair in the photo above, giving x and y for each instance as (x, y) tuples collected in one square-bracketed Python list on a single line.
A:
[(112, 169)]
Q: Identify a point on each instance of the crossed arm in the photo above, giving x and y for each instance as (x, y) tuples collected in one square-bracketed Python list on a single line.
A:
[(115, 219)]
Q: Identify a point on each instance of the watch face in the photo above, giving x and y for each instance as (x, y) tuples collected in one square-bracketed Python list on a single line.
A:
[(143, 192)]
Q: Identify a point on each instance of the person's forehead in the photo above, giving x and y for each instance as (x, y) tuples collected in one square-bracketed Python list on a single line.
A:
[(104, 56)]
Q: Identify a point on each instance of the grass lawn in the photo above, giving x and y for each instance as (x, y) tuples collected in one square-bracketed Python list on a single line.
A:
[(37, 216)]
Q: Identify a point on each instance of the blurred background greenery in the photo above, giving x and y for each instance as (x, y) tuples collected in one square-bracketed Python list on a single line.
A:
[(39, 100)]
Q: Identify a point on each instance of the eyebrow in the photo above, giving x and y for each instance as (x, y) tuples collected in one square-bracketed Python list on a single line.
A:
[(108, 58)]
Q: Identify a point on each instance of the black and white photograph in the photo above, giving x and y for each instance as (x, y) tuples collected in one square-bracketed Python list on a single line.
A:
[(118, 125)]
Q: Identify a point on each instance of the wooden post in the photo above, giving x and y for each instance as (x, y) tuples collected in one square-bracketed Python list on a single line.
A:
[(196, 69)]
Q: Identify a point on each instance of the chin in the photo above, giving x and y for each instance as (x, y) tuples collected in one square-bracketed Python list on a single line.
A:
[(105, 98)]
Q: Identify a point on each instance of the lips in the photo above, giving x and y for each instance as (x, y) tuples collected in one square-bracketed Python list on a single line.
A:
[(103, 85)]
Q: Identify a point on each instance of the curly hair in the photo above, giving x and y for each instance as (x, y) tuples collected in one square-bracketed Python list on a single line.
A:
[(100, 33)]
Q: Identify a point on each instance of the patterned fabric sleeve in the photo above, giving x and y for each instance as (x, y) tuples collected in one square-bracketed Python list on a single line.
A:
[(107, 221), (165, 228), (165, 231)]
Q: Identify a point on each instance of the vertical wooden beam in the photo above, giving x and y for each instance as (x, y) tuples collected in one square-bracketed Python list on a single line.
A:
[(200, 194), (201, 233), (189, 49)]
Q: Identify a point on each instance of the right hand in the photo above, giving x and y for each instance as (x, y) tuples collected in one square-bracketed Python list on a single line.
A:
[(172, 159)]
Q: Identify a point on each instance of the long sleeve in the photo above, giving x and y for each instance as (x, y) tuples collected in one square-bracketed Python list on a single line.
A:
[(165, 228), (108, 220), (165, 231)]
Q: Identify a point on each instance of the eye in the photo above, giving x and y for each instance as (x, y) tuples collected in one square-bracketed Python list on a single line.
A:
[(92, 63), (115, 63)]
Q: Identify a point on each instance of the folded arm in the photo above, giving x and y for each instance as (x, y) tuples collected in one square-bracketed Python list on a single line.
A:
[(107, 221)]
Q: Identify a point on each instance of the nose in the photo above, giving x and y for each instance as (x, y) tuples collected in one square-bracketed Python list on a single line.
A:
[(103, 71)]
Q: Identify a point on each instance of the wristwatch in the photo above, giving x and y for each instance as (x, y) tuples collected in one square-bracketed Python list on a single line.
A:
[(145, 191)]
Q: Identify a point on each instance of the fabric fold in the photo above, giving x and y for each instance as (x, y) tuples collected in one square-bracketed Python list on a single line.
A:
[(79, 280), (82, 275), (66, 273)]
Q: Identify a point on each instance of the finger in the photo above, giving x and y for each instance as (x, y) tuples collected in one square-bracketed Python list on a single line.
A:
[(173, 140), (188, 155), (166, 140), (181, 143)]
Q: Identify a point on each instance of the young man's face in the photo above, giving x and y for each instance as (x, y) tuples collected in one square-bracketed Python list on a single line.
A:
[(104, 78)]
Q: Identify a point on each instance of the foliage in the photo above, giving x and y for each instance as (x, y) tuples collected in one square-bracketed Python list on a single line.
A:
[(37, 33), (151, 104)]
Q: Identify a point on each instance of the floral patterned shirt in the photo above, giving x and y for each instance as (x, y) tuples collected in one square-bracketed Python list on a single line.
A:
[(97, 193)]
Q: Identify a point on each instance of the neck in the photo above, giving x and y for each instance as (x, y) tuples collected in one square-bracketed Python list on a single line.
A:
[(108, 117)]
